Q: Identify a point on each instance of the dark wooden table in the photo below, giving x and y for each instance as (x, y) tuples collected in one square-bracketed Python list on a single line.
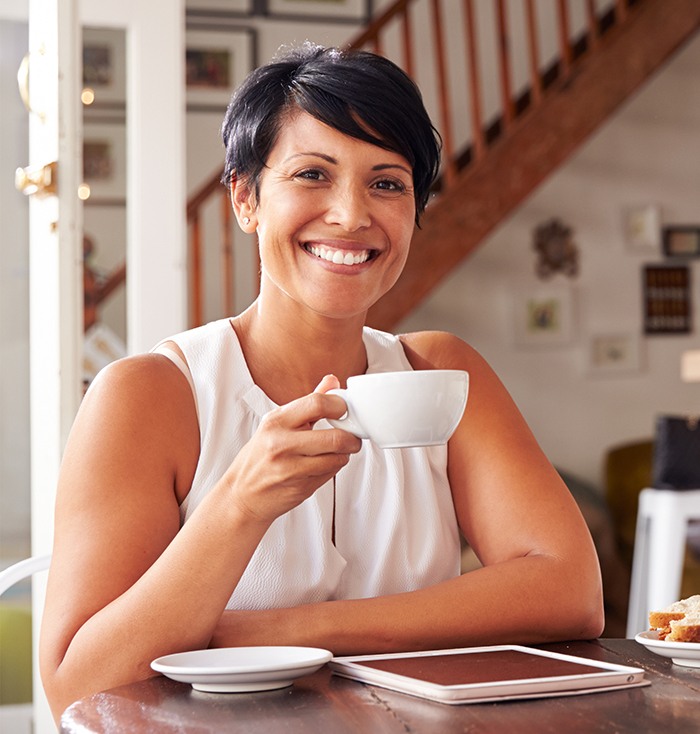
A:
[(324, 703)]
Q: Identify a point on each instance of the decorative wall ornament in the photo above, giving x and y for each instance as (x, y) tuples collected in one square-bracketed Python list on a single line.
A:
[(556, 250)]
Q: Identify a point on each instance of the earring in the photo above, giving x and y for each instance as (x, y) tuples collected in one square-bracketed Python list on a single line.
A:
[(246, 221)]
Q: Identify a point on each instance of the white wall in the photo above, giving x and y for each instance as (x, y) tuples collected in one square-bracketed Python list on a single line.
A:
[(648, 153)]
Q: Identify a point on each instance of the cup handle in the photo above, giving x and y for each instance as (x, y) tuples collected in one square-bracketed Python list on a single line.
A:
[(346, 422)]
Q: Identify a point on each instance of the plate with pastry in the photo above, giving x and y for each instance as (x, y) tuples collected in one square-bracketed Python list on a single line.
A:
[(675, 632), (682, 653)]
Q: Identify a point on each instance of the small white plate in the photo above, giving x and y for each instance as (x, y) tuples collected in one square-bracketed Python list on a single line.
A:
[(241, 669), (682, 653)]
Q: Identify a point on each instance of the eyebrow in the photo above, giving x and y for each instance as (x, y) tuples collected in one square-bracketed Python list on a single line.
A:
[(334, 161)]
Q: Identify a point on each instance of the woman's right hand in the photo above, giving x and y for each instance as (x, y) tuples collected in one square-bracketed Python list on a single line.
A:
[(286, 460)]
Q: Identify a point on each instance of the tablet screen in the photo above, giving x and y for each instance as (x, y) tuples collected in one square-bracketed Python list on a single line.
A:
[(479, 667)]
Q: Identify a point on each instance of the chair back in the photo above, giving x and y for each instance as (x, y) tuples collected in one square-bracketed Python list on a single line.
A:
[(17, 654), (22, 570)]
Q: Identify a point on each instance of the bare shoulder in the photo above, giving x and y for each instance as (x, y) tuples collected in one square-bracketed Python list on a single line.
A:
[(489, 401), (142, 405), (138, 375), (440, 350), (143, 384)]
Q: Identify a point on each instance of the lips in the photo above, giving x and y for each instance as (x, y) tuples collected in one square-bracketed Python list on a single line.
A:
[(338, 256)]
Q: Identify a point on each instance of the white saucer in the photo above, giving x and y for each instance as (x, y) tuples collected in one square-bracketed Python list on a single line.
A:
[(682, 653), (241, 669)]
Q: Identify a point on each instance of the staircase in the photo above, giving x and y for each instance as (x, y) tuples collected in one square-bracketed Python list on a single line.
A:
[(495, 153)]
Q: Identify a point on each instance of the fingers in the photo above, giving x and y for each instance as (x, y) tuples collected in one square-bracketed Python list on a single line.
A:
[(286, 461), (289, 429), (304, 412), (329, 382)]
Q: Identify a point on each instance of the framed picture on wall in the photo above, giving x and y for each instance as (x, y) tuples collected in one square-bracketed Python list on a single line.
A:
[(681, 241), (614, 354), (239, 7), (543, 317), (104, 162), (642, 225), (667, 299), (104, 65), (216, 62), (354, 10)]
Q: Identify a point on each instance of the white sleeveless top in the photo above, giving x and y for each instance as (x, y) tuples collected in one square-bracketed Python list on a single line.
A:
[(395, 524)]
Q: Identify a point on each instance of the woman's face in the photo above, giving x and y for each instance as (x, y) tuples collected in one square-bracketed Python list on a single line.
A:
[(334, 218)]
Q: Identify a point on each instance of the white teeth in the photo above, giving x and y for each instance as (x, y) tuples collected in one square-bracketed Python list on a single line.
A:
[(339, 257)]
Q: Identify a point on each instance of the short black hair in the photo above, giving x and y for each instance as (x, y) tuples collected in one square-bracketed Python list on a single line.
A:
[(358, 93)]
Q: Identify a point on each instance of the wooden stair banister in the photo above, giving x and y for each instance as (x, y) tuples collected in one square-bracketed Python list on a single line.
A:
[(506, 156), (516, 163), (211, 187)]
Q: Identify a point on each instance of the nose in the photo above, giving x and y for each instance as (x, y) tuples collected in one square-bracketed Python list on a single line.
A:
[(349, 208)]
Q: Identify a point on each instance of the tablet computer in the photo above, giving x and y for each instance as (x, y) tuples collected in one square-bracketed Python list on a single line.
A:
[(492, 673)]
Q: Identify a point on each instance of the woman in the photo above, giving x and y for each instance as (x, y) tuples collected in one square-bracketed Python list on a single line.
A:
[(197, 504)]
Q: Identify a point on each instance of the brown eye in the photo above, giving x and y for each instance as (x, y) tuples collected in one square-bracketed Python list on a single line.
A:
[(391, 185), (309, 174)]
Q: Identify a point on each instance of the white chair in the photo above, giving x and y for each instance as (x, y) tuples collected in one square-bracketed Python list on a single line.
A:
[(22, 570), (23, 717), (659, 551)]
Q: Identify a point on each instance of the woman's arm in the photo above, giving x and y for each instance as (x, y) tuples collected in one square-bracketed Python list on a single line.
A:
[(127, 584), (540, 579)]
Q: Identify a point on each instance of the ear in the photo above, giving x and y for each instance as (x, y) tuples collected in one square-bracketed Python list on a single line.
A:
[(243, 203)]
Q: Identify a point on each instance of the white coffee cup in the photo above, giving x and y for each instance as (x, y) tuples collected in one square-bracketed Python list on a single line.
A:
[(401, 409)]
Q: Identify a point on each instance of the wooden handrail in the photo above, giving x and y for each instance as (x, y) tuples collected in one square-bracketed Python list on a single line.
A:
[(97, 290), (379, 36), (376, 26)]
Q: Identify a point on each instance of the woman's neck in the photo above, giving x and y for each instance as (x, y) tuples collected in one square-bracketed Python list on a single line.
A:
[(288, 352)]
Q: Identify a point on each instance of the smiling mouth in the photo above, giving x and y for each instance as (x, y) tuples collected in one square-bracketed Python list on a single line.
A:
[(339, 257)]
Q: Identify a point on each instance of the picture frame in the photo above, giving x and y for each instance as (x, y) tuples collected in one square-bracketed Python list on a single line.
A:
[(104, 162), (104, 66), (326, 10), (543, 317), (237, 7), (681, 241), (642, 228), (667, 299), (216, 62), (612, 354)]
